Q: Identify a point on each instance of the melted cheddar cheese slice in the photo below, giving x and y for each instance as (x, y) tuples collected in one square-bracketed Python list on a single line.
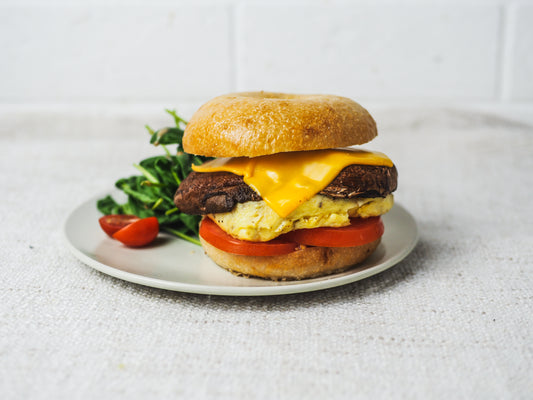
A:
[(287, 180)]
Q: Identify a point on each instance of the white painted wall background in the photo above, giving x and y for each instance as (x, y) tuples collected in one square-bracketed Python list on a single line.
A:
[(185, 52)]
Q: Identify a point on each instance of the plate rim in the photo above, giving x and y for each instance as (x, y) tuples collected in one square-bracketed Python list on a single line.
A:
[(302, 286)]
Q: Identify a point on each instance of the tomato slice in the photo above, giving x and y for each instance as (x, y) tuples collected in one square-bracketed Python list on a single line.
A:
[(211, 233), (138, 233), (360, 231), (115, 222)]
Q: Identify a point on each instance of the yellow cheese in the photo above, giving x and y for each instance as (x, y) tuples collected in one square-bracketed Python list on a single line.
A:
[(287, 180)]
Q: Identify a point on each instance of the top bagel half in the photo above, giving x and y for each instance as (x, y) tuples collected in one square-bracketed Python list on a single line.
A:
[(253, 124)]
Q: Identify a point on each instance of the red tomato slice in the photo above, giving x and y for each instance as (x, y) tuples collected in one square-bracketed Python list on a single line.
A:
[(138, 233), (360, 231), (211, 233), (115, 222)]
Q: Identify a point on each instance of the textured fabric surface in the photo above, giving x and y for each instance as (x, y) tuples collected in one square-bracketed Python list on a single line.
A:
[(453, 320)]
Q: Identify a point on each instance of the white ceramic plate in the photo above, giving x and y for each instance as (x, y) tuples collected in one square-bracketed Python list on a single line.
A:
[(175, 264)]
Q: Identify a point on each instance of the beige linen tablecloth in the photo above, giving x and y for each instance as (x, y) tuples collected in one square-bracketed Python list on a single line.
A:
[(453, 320)]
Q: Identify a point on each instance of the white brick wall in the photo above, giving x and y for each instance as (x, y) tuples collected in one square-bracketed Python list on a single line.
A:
[(518, 80), (169, 52), (114, 54), (376, 51)]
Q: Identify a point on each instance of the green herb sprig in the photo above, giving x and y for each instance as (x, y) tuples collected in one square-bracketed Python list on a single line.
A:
[(151, 193)]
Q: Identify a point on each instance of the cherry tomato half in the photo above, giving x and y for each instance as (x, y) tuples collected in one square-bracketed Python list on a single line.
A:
[(211, 233), (115, 222), (361, 231), (138, 233)]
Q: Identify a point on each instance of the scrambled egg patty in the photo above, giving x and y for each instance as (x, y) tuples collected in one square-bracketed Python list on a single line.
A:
[(256, 221)]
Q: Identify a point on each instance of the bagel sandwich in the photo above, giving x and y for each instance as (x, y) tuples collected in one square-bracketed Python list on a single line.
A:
[(287, 195)]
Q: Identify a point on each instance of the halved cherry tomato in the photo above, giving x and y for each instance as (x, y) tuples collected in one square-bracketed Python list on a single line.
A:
[(215, 236), (115, 222), (138, 233), (360, 231)]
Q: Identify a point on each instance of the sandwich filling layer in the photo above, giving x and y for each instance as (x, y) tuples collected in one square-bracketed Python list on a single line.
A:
[(256, 221), (219, 192), (286, 180)]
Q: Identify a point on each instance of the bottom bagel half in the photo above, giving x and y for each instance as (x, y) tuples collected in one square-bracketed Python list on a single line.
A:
[(307, 262)]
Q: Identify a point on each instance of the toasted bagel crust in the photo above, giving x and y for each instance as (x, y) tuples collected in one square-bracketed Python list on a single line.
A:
[(252, 124), (309, 262)]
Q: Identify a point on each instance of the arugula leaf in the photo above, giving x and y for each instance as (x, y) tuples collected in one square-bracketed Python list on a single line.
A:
[(151, 193), (167, 136)]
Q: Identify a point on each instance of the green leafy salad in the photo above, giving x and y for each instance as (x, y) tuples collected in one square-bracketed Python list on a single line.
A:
[(151, 193)]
